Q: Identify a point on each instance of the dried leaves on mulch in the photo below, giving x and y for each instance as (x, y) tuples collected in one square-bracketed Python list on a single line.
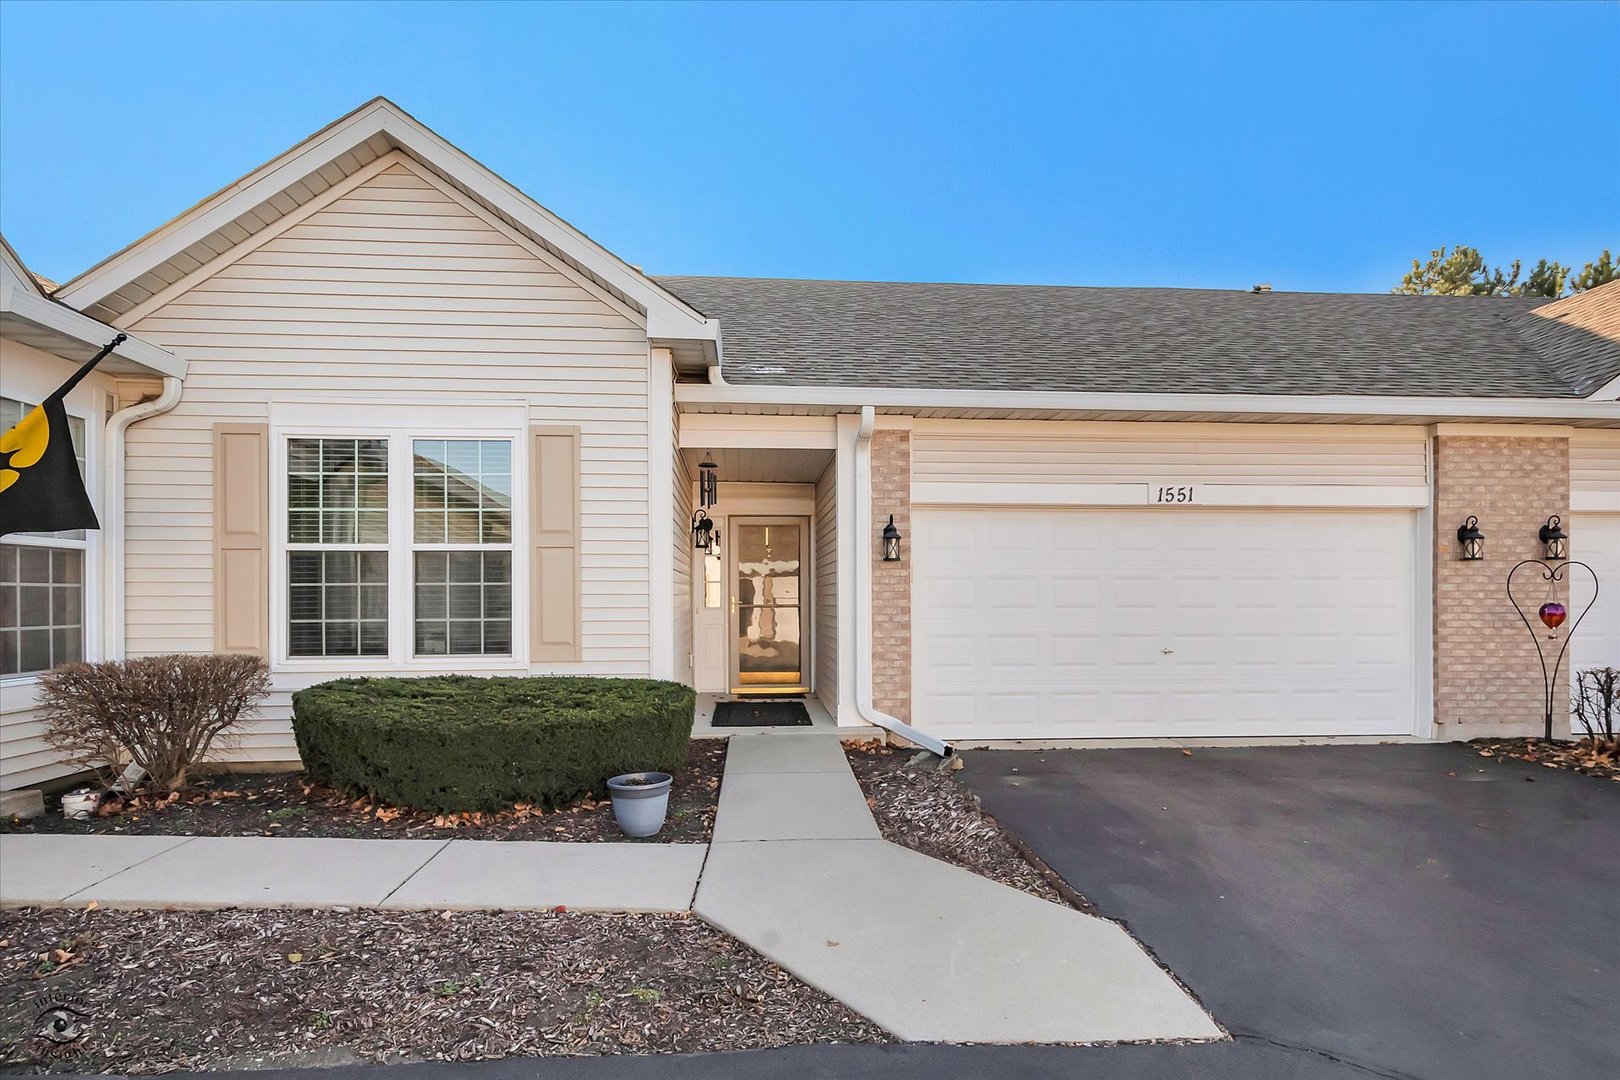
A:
[(157, 991), (934, 813), (287, 804), (1581, 757)]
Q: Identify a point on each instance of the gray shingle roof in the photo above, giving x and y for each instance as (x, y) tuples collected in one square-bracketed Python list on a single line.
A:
[(1579, 334), (1024, 337)]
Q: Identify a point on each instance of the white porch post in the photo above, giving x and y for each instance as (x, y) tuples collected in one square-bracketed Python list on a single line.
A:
[(851, 547), (661, 437)]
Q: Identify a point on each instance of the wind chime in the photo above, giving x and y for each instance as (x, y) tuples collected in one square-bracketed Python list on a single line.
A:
[(704, 536)]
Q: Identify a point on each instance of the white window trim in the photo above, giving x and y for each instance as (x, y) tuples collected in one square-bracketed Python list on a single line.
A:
[(88, 404), (399, 424)]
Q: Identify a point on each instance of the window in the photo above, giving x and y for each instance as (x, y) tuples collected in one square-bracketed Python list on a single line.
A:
[(463, 546), (398, 545), (41, 581), (337, 547)]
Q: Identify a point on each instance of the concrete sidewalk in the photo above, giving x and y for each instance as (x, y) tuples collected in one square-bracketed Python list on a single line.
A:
[(928, 950), (270, 872)]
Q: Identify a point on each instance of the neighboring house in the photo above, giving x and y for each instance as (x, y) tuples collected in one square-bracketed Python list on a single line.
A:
[(398, 418)]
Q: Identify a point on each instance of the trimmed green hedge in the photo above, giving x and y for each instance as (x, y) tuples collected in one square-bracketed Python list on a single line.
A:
[(455, 742)]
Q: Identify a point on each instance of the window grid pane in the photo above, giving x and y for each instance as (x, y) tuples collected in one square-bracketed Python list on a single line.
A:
[(463, 603), (337, 603), (463, 491), (41, 608), (337, 497), (337, 491)]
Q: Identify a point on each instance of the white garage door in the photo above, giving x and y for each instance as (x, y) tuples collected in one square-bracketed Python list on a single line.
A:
[(1077, 623), (1594, 538)]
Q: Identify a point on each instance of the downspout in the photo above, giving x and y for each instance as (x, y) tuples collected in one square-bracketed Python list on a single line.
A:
[(863, 598), (112, 516)]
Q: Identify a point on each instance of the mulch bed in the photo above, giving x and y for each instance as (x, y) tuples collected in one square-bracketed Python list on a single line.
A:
[(932, 812), (1581, 757), (148, 992), (286, 804)]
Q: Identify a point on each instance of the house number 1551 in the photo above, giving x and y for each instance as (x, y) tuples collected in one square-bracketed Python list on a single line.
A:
[(1175, 493)]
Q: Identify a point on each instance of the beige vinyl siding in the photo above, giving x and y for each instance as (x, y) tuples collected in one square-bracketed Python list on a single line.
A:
[(1112, 453), (398, 291), (1594, 462), (826, 589), (25, 758), (685, 602)]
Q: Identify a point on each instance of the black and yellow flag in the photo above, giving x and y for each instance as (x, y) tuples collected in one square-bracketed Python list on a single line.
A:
[(40, 486)]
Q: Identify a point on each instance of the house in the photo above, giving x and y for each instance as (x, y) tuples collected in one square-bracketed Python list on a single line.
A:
[(380, 412)]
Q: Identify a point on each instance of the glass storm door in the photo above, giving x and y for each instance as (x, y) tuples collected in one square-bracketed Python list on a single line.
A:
[(768, 558)]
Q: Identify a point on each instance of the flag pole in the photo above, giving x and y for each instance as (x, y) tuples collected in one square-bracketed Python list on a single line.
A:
[(74, 380)]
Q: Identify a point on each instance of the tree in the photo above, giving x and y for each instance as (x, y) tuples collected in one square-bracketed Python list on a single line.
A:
[(1547, 279), (1462, 271), (1594, 274)]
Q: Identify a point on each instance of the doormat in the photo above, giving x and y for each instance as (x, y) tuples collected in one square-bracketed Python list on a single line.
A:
[(761, 714)]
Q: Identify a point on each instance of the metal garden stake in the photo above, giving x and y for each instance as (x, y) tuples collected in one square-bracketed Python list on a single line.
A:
[(1552, 615)]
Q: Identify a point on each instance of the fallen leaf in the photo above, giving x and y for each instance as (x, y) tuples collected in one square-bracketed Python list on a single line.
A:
[(295, 957)]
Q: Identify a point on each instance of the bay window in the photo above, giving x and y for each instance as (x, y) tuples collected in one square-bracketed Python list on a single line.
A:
[(41, 581), (398, 543)]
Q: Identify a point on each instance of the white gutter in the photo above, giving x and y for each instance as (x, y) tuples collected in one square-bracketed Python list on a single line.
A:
[(863, 594), (1413, 409), (112, 515)]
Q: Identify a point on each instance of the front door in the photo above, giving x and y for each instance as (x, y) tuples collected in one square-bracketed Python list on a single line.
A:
[(768, 557)]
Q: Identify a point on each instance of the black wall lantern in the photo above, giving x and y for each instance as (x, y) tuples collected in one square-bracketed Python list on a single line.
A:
[(1555, 539), (891, 542), (708, 483), (1471, 539), (704, 538)]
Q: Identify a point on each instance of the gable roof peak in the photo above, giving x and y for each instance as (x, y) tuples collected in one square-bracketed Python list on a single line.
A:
[(252, 203)]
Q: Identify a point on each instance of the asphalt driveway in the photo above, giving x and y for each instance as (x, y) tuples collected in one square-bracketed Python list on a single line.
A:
[(1412, 911)]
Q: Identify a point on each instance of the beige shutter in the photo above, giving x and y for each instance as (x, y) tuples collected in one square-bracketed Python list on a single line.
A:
[(554, 532), (242, 538)]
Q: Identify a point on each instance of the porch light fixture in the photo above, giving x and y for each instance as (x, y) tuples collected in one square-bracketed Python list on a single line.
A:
[(708, 482), (891, 542), (1471, 539), (704, 538), (1555, 540)]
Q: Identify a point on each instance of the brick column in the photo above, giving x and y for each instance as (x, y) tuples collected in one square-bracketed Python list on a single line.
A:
[(891, 582), (1487, 680)]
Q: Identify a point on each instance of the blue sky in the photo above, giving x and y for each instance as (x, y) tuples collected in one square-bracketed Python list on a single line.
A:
[(1310, 146)]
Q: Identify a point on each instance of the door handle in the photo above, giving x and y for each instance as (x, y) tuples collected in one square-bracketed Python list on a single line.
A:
[(734, 605), (1167, 652)]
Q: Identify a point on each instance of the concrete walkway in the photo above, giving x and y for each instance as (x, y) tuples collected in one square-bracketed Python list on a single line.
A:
[(300, 872), (797, 870), (929, 951)]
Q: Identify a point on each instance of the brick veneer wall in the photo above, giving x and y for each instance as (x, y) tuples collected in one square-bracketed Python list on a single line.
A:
[(891, 582), (1487, 680)]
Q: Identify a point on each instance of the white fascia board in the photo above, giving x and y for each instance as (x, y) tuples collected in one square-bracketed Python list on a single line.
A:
[(13, 273), (1609, 391), (667, 316), (850, 397), (81, 328)]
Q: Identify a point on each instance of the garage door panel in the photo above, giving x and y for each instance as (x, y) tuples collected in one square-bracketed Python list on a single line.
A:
[(1120, 623)]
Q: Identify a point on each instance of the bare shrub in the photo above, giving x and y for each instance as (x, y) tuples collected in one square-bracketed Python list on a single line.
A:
[(1595, 701), (164, 713)]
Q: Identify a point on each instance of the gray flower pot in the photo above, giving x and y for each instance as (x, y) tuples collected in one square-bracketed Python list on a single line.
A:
[(640, 801)]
